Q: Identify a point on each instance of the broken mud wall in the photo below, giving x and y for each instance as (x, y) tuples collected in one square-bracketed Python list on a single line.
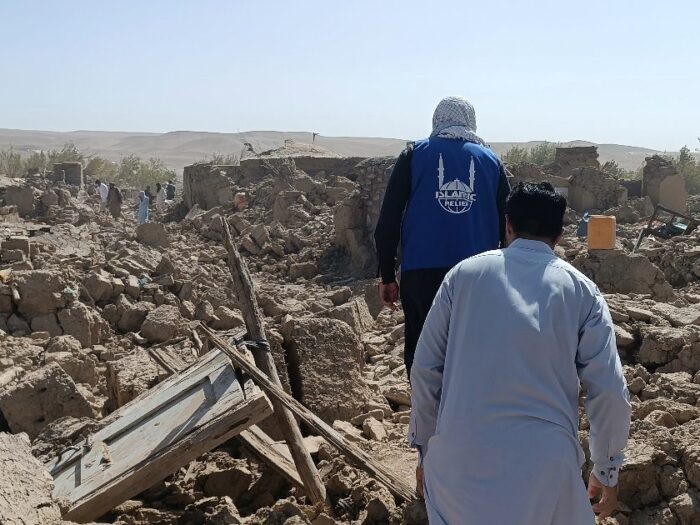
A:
[(73, 171), (356, 217), (207, 186), (663, 184), (566, 160), (592, 189)]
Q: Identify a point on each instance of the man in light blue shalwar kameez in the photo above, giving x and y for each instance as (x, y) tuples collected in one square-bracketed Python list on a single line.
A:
[(495, 383), (143, 207)]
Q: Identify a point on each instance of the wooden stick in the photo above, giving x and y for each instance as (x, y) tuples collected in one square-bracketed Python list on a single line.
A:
[(245, 292), (397, 486)]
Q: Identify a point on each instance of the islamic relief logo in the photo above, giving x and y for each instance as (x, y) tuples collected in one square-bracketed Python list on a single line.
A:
[(455, 196)]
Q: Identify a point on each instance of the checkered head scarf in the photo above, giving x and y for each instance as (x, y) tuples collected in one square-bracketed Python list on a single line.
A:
[(454, 118)]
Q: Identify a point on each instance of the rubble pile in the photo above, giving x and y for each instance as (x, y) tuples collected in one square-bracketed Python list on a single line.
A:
[(86, 303)]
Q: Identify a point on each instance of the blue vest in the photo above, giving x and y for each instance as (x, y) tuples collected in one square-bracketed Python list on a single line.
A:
[(452, 212)]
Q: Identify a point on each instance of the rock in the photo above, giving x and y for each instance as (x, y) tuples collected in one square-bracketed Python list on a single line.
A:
[(377, 414), (47, 323), (152, 234), (84, 323), (689, 315), (41, 397), (204, 311), (162, 324), (132, 287), (227, 319), (355, 313), (64, 343), (133, 317), (340, 295), (260, 235), (305, 270), (40, 291), (660, 345), (129, 377), (374, 429), (616, 271), (348, 430), (623, 338), (687, 507), (231, 480), (662, 419), (81, 366), (17, 325), (414, 513), (326, 356), (99, 286), (165, 267), (25, 485), (680, 412), (398, 394)]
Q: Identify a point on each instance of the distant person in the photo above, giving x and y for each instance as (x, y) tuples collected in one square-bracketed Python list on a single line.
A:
[(143, 208), (495, 383), (160, 197), (114, 201), (444, 201), (149, 195), (102, 190), (170, 191)]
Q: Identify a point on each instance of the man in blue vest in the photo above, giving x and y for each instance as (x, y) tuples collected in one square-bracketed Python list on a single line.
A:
[(445, 201)]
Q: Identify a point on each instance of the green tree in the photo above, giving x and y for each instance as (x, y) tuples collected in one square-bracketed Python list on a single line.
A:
[(68, 153), (100, 168), (136, 173), (515, 155), (543, 154), (688, 167), (36, 162), (11, 163)]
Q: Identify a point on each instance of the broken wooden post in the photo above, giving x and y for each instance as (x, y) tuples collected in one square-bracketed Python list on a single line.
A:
[(278, 396), (245, 292)]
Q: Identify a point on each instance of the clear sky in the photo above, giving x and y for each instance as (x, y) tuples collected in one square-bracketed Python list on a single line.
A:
[(621, 71)]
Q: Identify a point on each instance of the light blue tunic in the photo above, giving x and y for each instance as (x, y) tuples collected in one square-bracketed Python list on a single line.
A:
[(495, 387), (143, 208)]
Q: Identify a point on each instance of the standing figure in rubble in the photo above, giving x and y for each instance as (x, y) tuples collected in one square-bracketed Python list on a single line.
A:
[(495, 383), (143, 208), (160, 197), (170, 191), (114, 201), (444, 201), (103, 191)]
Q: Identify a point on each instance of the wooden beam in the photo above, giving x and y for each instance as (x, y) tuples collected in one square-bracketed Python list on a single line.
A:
[(362, 460), (245, 293), (261, 445)]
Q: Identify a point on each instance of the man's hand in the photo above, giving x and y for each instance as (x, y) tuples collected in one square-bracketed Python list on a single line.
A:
[(389, 294), (419, 482), (607, 504)]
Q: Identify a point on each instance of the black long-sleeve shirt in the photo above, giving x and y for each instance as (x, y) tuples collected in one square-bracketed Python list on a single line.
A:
[(388, 231)]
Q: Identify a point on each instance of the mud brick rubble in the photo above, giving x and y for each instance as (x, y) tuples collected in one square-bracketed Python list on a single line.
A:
[(83, 298)]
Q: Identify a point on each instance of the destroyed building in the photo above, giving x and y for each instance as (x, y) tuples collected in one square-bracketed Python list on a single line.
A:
[(100, 317)]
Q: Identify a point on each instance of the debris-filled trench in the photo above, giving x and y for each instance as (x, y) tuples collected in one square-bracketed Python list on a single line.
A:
[(100, 317)]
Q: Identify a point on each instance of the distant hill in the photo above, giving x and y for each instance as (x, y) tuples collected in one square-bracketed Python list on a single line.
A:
[(180, 148)]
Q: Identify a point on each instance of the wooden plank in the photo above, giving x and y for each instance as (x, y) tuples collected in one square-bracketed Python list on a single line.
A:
[(154, 435), (362, 460), (261, 445), (244, 290)]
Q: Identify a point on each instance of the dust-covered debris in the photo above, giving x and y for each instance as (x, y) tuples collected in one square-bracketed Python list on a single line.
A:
[(90, 307)]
